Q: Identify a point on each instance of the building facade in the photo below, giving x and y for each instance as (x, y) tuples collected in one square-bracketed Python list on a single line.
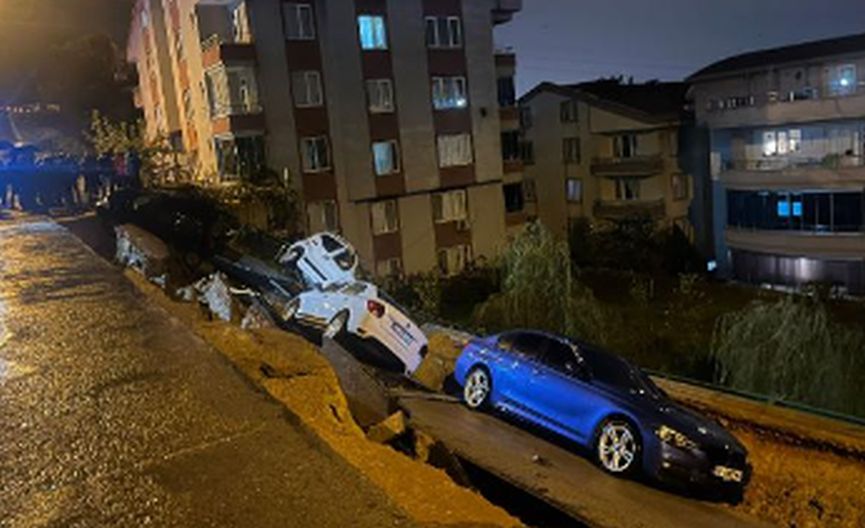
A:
[(386, 115), (605, 150), (787, 128)]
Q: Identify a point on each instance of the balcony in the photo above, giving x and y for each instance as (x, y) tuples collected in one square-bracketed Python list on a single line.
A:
[(828, 171), (635, 166), (218, 50), (799, 107), (782, 163), (618, 209)]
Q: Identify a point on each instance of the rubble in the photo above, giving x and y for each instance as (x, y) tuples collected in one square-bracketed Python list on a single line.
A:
[(257, 317), (139, 250), (439, 362), (385, 431)]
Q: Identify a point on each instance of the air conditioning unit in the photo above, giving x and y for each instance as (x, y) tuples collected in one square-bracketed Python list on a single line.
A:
[(463, 225)]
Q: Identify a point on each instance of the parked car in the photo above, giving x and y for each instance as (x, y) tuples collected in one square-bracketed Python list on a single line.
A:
[(323, 259), (360, 309), (604, 404)]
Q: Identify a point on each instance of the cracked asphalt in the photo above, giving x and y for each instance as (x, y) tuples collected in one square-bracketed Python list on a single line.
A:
[(113, 414)]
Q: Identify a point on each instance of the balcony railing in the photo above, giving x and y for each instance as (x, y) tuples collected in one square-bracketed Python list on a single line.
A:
[(780, 163), (634, 166), (616, 209), (235, 108)]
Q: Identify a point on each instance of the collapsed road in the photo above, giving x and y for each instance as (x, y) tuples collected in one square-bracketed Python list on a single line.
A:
[(114, 414)]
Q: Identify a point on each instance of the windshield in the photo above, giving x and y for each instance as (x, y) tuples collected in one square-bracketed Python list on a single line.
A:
[(615, 371)]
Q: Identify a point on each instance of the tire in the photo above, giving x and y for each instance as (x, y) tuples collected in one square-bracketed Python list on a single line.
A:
[(478, 387), (336, 327), (618, 447)]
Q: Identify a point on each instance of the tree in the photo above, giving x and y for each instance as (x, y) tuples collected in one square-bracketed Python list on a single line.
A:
[(540, 290), (790, 350)]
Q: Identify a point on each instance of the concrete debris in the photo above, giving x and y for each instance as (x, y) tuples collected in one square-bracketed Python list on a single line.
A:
[(541, 461), (187, 293), (392, 427), (214, 293), (141, 251), (257, 317)]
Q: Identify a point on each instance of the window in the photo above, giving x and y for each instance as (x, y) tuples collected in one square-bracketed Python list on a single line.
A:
[(770, 143), (385, 218), (560, 357), (781, 142), (299, 22), (444, 32), (241, 157), (528, 152), (842, 80), (385, 156), (529, 191), (526, 117), (379, 94), (372, 32), (625, 146), (527, 343), (449, 92), (511, 145), (449, 206), (391, 267), (315, 152), (571, 150), (680, 186), (453, 260), (627, 189), (574, 190), (514, 200), (837, 212), (795, 140), (506, 91), (568, 112), (306, 87), (323, 216), (455, 150)]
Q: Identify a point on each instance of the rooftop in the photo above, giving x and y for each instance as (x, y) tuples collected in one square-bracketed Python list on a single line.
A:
[(786, 54)]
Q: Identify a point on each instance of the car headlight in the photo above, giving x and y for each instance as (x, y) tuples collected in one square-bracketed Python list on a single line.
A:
[(668, 435)]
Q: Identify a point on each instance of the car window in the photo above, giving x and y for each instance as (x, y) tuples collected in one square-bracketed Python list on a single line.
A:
[(345, 260), (527, 343), (355, 288), (612, 370), (330, 244), (559, 355)]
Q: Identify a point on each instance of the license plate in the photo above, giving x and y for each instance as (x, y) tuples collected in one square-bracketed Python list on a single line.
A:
[(402, 333), (728, 474)]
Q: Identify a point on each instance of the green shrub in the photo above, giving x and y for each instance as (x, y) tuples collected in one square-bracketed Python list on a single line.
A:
[(790, 350)]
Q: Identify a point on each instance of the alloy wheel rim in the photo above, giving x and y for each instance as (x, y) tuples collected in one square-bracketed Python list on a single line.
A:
[(617, 447), (477, 388), (335, 326)]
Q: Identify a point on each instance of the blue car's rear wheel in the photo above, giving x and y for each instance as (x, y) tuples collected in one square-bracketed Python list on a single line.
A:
[(618, 447), (476, 392)]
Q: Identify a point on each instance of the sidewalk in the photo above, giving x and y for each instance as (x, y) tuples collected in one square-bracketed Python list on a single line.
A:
[(112, 414)]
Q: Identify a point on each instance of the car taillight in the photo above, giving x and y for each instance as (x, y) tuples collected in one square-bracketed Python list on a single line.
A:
[(374, 307)]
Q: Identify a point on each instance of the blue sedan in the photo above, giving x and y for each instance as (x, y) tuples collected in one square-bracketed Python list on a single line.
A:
[(603, 403)]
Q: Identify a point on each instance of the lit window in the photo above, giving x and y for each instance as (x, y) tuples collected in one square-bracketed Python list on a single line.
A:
[(455, 150), (574, 190), (372, 33), (444, 32), (380, 95), (449, 92), (306, 87), (315, 153), (449, 206), (571, 150), (795, 140), (385, 157), (783, 142), (453, 260), (843, 80), (299, 22), (385, 218), (770, 143)]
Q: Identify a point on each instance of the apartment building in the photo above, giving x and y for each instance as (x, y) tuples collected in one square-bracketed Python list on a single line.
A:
[(386, 114), (787, 127), (606, 150)]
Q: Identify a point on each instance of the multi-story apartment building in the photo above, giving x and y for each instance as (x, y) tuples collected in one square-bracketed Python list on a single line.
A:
[(787, 128), (605, 150), (386, 115)]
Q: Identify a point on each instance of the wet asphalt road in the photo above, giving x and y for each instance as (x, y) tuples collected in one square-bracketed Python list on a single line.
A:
[(113, 414)]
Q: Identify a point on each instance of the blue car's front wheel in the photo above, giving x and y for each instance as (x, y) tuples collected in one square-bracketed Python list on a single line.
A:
[(618, 447), (478, 386)]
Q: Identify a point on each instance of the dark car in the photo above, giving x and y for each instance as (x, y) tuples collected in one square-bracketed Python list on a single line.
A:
[(192, 223), (603, 403)]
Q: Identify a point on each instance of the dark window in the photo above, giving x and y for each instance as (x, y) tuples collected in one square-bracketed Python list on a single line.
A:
[(609, 369), (241, 157), (330, 244), (795, 211), (560, 356), (514, 199), (528, 343), (511, 145), (528, 152), (507, 92)]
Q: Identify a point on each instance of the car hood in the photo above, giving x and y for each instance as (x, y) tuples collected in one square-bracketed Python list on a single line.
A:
[(700, 429)]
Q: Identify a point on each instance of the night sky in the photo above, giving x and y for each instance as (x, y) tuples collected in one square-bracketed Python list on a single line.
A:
[(575, 40)]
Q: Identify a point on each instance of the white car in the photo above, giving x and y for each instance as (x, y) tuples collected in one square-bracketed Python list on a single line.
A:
[(323, 259), (360, 309)]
